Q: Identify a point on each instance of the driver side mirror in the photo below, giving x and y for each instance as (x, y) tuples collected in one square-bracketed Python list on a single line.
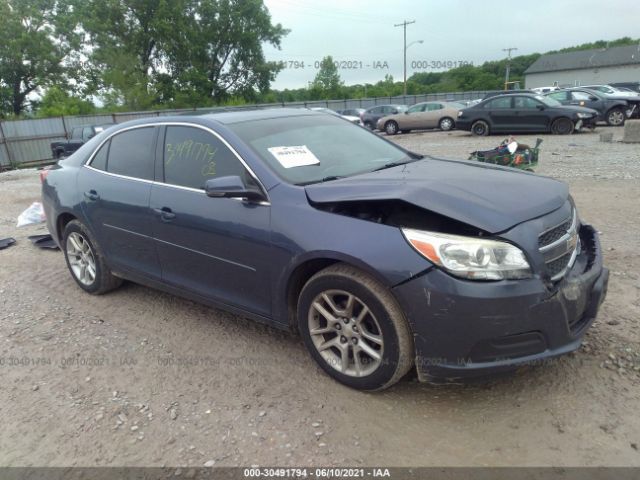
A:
[(231, 186), (593, 99)]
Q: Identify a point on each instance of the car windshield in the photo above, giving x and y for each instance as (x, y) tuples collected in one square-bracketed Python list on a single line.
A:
[(315, 148), (548, 101)]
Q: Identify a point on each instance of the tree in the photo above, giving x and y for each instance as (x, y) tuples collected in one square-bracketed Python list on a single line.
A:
[(327, 83), (225, 56), (125, 46), (178, 52), (33, 44), (57, 101)]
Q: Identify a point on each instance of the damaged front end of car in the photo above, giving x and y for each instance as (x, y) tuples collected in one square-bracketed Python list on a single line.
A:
[(493, 300)]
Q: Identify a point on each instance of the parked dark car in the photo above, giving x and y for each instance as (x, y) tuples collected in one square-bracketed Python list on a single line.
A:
[(507, 92), (381, 258), (352, 112), (614, 111), (370, 116), (79, 136), (524, 113)]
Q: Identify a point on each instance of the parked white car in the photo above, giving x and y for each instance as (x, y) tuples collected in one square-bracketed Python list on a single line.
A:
[(542, 90), (613, 91)]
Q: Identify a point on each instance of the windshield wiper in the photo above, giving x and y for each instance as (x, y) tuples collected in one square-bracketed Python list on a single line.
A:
[(393, 164), (325, 179)]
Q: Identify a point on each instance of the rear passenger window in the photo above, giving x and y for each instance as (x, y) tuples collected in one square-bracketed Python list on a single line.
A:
[(499, 103), (192, 156), (131, 153), (100, 159)]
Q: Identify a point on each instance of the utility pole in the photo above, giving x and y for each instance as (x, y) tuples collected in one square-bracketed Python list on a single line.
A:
[(506, 76), (404, 25)]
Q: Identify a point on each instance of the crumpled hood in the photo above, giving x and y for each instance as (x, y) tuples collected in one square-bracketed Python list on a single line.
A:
[(490, 198)]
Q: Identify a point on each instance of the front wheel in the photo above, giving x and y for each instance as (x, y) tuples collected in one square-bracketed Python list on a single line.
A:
[(85, 260), (354, 328), (480, 128), (391, 127), (615, 117), (562, 126), (446, 124)]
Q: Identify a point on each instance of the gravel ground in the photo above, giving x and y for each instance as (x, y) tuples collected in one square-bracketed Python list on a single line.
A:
[(138, 377)]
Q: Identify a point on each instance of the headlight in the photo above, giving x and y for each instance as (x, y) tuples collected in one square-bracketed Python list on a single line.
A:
[(584, 115), (470, 257)]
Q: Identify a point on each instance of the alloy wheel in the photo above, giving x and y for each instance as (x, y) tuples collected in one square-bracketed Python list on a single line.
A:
[(345, 333), (81, 259), (616, 117)]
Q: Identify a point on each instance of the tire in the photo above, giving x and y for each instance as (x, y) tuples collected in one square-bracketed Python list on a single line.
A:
[(480, 128), (81, 250), (391, 127), (616, 117), (342, 293), (562, 126), (445, 124), (369, 125)]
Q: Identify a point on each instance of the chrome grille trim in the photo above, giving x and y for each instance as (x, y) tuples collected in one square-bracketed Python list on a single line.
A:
[(569, 242)]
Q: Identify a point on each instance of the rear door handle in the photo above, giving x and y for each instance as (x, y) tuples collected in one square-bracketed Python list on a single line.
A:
[(92, 195), (165, 213)]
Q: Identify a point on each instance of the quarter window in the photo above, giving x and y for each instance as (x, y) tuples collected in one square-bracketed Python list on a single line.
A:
[(192, 156), (131, 153), (100, 158)]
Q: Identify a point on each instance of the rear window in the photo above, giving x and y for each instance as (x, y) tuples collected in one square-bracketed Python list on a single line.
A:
[(131, 153)]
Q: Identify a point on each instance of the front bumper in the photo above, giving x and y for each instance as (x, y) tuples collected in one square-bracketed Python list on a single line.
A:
[(468, 329)]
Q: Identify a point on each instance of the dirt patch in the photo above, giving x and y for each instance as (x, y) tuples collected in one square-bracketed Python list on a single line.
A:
[(138, 377)]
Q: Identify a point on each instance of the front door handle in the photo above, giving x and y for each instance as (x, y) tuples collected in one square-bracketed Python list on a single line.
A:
[(165, 213), (92, 195)]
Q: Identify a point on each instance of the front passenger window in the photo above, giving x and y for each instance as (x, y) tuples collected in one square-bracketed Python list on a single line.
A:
[(192, 156)]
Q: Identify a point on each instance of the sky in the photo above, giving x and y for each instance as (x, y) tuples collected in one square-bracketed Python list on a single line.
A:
[(361, 36)]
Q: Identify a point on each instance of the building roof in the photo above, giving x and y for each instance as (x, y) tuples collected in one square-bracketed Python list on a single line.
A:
[(581, 59)]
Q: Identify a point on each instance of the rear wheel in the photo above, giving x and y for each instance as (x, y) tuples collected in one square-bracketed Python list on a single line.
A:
[(354, 328), (391, 127), (85, 260), (480, 128), (562, 126), (446, 124), (615, 117)]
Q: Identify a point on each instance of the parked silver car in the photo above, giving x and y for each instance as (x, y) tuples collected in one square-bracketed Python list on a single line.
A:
[(440, 115)]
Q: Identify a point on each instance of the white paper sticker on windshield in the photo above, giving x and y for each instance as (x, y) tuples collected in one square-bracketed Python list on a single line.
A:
[(297, 156)]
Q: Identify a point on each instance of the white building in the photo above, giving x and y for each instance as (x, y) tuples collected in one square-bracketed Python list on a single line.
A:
[(585, 67)]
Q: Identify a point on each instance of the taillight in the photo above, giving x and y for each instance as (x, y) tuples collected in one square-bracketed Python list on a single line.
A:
[(43, 174)]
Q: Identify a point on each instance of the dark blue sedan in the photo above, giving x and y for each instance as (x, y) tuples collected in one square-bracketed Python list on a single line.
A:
[(382, 259)]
